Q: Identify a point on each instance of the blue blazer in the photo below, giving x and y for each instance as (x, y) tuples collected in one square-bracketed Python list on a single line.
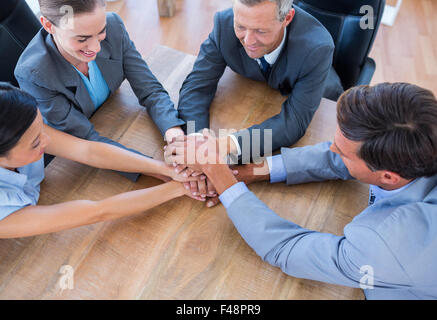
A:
[(62, 96), (299, 73)]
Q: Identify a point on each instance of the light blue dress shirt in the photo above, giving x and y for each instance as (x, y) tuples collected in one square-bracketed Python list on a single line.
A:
[(388, 250), (95, 84), (20, 189), (277, 171)]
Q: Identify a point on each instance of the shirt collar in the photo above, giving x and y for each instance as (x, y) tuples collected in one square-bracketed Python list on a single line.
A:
[(13, 178), (386, 193), (273, 56)]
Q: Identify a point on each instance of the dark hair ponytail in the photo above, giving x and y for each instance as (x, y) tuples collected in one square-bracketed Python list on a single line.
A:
[(18, 110)]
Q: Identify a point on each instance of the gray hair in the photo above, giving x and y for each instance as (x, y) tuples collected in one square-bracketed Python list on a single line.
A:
[(284, 6)]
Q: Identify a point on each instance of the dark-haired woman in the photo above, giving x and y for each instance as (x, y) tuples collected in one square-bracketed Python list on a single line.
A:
[(23, 140), (80, 56)]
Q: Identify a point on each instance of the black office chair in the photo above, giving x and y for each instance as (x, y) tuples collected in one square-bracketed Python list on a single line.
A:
[(18, 25), (352, 43)]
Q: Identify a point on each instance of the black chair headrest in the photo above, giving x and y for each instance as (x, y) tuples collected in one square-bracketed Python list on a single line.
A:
[(7, 7), (347, 7)]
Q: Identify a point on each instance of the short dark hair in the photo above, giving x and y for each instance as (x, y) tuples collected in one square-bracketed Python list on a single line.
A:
[(18, 111), (396, 124), (54, 10)]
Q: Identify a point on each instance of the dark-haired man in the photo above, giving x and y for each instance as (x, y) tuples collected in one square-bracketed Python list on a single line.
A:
[(386, 137)]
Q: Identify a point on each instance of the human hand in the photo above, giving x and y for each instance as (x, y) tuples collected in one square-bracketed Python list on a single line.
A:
[(252, 172), (205, 189), (195, 152), (172, 133), (182, 173)]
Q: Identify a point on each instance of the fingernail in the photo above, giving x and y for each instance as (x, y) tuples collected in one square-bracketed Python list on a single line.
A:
[(203, 195), (212, 193), (210, 204), (195, 193), (202, 177), (187, 187)]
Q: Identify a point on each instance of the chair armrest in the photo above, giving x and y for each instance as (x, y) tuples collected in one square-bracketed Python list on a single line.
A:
[(367, 72)]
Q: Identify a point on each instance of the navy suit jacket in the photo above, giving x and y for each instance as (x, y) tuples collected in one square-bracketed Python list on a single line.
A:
[(299, 73)]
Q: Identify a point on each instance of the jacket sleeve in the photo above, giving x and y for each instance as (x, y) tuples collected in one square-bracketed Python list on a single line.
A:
[(61, 114), (297, 111), (149, 91), (199, 88), (313, 163), (360, 258)]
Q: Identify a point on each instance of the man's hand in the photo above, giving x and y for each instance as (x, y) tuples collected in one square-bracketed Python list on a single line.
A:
[(250, 173), (195, 151), (172, 133)]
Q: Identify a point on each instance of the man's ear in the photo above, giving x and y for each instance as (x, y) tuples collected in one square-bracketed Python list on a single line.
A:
[(47, 25), (390, 178), (289, 17)]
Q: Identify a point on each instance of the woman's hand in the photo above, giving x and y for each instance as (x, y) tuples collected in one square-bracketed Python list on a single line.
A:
[(185, 175)]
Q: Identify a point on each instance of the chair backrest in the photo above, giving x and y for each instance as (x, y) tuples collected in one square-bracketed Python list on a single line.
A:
[(18, 25), (352, 31)]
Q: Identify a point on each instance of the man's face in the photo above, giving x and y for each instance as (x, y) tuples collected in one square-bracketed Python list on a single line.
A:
[(347, 149), (258, 28)]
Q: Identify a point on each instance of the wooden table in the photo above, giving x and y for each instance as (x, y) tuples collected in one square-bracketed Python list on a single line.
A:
[(181, 249), (166, 8)]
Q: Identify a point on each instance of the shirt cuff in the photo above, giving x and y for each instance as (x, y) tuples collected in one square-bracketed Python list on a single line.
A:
[(237, 145), (278, 172), (231, 194)]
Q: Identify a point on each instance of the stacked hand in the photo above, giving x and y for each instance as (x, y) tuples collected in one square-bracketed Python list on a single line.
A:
[(189, 155), (187, 170)]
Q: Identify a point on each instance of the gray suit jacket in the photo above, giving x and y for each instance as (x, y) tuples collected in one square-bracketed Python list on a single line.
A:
[(389, 249), (62, 96), (299, 73)]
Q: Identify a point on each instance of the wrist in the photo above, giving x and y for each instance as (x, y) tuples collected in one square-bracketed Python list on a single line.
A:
[(220, 175), (176, 189), (173, 133), (160, 168), (251, 172)]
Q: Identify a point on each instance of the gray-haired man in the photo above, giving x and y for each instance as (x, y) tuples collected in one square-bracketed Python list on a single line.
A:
[(270, 41)]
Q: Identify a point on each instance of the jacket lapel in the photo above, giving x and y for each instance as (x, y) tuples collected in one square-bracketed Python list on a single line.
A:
[(112, 70)]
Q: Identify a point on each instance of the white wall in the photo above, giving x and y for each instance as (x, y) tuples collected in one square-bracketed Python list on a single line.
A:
[(33, 4)]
